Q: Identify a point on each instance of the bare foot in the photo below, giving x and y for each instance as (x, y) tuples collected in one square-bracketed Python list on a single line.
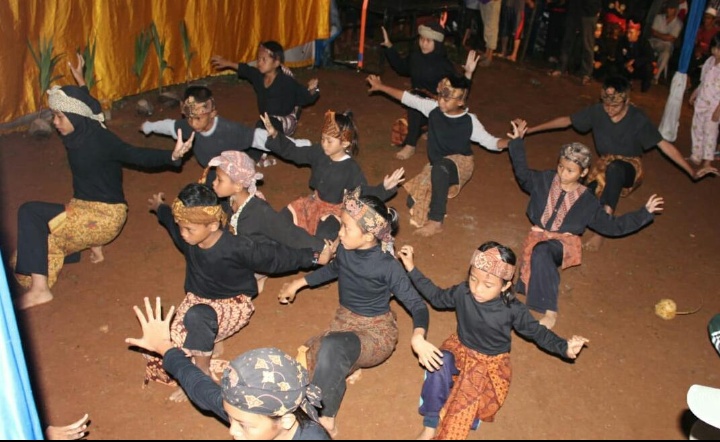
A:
[(549, 319), (429, 229), (593, 244), (96, 255), (33, 297), (705, 164), (260, 282), (405, 153), (178, 396), (354, 376), (329, 424), (512, 58), (218, 350), (555, 73), (426, 434)]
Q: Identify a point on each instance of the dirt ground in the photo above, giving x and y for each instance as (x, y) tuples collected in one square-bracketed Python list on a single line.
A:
[(629, 383)]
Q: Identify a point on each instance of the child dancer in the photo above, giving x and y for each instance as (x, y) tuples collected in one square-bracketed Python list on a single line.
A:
[(425, 68), (264, 394), (474, 379), (247, 210), (452, 128), (48, 233), (334, 171), (706, 100), (561, 208), (219, 279), (364, 331), (278, 93), (215, 133)]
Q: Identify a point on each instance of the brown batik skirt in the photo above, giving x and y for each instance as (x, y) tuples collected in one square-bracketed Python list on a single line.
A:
[(233, 314), (309, 210)]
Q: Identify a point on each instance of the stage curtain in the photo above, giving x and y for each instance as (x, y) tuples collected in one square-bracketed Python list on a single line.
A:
[(230, 28)]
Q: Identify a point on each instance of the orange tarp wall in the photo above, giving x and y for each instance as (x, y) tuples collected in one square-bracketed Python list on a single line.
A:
[(230, 28)]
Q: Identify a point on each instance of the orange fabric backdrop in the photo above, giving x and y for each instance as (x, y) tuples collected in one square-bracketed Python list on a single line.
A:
[(230, 28)]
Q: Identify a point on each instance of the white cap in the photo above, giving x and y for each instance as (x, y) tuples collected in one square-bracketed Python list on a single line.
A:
[(704, 402), (711, 11)]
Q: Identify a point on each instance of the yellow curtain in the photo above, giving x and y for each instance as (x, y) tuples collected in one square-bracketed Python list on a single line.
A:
[(230, 28)]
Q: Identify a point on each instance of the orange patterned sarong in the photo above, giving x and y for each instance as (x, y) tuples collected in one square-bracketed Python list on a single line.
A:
[(308, 211), (572, 251), (478, 391)]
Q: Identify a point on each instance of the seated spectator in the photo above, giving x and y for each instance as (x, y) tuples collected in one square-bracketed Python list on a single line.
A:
[(665, 30), (634, 58)]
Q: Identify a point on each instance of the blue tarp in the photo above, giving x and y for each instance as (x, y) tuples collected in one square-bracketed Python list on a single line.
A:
[(18, 414)]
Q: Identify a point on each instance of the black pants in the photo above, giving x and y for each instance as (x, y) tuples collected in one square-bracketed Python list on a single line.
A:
[(618, 175), (416, 120), (33, 232), (326, 229), (444, 174), (338, 353), (544, 277), (201, 323)]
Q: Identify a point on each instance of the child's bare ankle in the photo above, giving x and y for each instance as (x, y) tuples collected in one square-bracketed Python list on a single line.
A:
[(427, 433)]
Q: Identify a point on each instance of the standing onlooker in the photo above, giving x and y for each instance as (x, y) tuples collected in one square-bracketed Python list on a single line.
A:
[(512, 23), (665, 31), (701, 52), (635, 57), (556, 10), (580, 19), (706, 101), (473, 25), (490, 12)]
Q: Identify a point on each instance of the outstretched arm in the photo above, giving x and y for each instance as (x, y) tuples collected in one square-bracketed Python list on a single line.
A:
[(77, 71), (376, 85), (671, 151), (557, 123), (221, 63)]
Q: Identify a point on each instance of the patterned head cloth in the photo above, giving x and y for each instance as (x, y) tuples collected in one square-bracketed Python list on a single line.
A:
[(578, 153), (446, 90), (331, 128), (491, 261), (194, 108), (239, 167), (198, 214), (269, 382), (368, 219), (60, 101), (613, 98)]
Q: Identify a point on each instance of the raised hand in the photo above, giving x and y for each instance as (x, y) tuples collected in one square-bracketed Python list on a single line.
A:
[(156, 330), (519, 127), (386, 40), (654, 204), (77, 71), (220, 63), (76, 430), (375, 83), (272, 132), (391, 181), (182, 147), (471, 63), (328, 252), (155, 201), (575, 345), (406, 256)]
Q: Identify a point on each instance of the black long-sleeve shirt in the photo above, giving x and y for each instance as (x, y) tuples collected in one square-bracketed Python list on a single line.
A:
[(425, 70), (587, 210), (329, 178), (281, 97), (486, 327), (260, 221), (97, 161), (207, 395), (227, 269), (367, 279)]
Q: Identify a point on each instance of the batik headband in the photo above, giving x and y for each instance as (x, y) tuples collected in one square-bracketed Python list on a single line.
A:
[(578, 153), (446, 90), (59, 101), (367, 218), (269, 382), (198, 214), (491, 261), (194, 108), (239, 167), (331, 128), (614, 97)]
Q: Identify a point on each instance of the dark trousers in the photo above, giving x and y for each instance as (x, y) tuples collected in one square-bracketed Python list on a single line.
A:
[(338, 353), (444, 174), (201, 323), (436, 390), (545, 276), (416, 120), (326, 229), (618, 175), (585, 27), (33, 232)]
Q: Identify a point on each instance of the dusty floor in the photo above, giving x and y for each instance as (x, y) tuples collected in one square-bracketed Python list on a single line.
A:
[(630, 383)]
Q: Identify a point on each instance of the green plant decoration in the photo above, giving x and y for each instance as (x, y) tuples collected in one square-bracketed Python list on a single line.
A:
[(46, 62), (160, 50), (142, 47), (88, 54), (187, 50)]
